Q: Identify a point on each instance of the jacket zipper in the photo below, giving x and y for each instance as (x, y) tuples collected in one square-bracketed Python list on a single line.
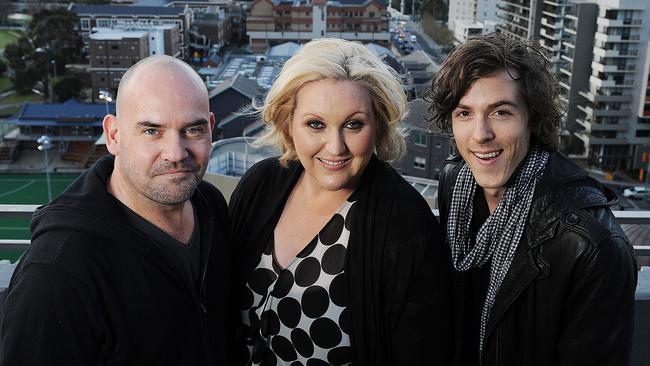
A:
[(459, 320), (498, 345), (201, 299)]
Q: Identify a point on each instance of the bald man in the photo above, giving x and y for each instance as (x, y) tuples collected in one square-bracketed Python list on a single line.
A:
[(129, 266)]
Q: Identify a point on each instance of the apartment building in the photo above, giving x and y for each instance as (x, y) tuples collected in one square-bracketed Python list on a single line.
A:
[(471, 11), (278, 21), (113, 51), (131, 17), (574, 67), (552, 29), (614, 112), (520, 18)]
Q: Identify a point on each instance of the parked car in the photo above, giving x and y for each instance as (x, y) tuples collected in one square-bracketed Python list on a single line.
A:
[(636, 192), (414, 38)]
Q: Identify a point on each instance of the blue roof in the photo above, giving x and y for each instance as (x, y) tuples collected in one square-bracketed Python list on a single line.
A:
[(125, 10), (152, 2), (71, 112), (164, 2)]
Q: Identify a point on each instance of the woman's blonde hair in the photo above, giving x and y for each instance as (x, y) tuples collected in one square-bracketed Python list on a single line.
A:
[(336, 59)]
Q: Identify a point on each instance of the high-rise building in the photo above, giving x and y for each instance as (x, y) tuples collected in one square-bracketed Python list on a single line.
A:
[(471, 11), (520, 18), (615, 110), (574, 67)]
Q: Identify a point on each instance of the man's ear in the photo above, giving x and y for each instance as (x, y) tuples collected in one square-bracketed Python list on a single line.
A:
[(111, 133), (212, 121)]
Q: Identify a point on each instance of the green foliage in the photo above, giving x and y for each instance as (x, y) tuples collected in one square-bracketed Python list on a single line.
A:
[(438, 31), (66, 88), (435, 8), (57, 31), (5, 83), (53, 36), (3, 67), (8, 37)]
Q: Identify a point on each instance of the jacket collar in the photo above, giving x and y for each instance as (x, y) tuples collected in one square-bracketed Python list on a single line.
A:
[(563, 186)]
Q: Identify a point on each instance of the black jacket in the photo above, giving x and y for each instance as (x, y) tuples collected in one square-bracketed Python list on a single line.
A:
[(93, 290), (397, 267), (568, 298)]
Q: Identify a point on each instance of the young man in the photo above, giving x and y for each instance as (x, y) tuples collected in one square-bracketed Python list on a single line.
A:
[(544, 274), (129, 265)]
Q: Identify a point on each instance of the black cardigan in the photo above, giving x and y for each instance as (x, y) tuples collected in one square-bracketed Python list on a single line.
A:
[(398, 268)]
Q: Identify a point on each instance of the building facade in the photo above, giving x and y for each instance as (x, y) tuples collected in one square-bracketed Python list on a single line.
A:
[(520, 19), (134, 17), (278, 21), (574, 68), (112, 52), (427, 148), (471, 11), (614, 112)]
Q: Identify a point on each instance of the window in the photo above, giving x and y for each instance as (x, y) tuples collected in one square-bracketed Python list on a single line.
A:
[(103, 23), (85, 24), (419, 163), (420, 139), (115, 47)]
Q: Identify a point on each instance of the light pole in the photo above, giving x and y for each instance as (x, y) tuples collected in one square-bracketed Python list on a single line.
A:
[(50, 85), (46, 143), (107, 97)]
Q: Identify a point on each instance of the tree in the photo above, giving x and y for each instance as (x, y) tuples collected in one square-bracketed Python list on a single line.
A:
[(53, 36), (27, 65), (3, 67), (6, 8), (66, 88), (57, 31)]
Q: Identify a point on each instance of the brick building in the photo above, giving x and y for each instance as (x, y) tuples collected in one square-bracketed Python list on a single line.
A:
[(278, 21)]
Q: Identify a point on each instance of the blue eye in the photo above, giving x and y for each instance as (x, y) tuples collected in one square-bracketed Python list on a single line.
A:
[(195, 131), (354, 125), (317, 125)]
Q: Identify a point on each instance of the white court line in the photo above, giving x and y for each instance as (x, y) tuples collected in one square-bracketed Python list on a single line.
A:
[(18, 189)]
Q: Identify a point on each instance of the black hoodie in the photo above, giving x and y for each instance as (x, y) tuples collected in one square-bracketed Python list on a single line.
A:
[(93, 290)]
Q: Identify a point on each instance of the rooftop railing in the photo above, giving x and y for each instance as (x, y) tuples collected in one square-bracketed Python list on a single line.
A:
[(25, 212)]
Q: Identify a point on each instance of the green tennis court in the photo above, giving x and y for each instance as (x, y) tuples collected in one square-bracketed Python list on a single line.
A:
[(26, 189)]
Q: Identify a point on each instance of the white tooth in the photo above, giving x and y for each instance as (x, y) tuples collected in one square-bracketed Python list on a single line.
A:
[(493, 154)]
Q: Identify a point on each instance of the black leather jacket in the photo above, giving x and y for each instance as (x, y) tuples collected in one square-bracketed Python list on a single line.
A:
[(568, 298)]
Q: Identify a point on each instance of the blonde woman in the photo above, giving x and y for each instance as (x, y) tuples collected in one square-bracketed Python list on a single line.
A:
[(338, 260)]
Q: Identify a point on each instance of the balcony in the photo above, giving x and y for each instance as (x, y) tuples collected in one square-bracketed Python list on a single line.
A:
[(615, 38), (554, 25), (630, 23), (609, 83), (595, 98), (599, 67), (590, 140), (599, 51)]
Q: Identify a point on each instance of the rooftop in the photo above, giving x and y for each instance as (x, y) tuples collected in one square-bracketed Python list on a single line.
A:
[(94, 10), (104, 34), (286, 49), (239, 83), (48, 114)]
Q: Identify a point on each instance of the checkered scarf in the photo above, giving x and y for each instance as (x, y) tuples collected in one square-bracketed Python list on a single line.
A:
[(500, 234)]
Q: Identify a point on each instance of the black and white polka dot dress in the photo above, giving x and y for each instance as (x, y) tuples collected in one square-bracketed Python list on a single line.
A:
[(299, 315)]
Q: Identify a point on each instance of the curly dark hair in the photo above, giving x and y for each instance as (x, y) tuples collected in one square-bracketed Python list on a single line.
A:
[(484, 55)]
